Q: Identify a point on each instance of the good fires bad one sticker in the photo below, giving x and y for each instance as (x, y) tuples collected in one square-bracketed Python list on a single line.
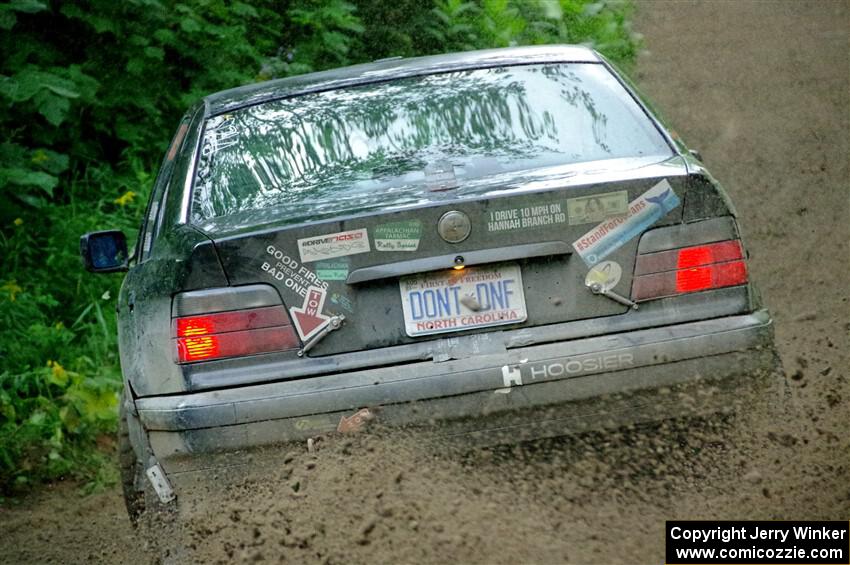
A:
[(334, 245), (294, 276), (612, 234)]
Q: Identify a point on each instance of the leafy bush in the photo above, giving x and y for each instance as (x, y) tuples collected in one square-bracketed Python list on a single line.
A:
[(89, 94)]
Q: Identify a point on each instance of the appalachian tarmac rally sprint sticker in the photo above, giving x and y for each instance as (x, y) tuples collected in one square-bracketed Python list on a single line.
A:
[(398, 236)]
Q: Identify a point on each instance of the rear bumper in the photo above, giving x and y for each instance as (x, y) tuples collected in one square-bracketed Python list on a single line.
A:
[(511, 395)]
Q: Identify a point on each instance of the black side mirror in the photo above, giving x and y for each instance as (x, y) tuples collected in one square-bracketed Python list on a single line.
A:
[(104, 251)]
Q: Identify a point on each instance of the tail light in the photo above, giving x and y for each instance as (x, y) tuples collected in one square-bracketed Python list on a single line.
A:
[(689, 269), (236, 333)]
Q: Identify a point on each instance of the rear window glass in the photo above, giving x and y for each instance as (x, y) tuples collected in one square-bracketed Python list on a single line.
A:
[(391, 144)]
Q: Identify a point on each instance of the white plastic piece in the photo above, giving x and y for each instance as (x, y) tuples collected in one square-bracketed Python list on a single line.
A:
[(160, 484), (511, 376)]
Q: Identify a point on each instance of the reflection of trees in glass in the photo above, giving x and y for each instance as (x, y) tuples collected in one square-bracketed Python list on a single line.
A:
[(343, 144), (574, 94)]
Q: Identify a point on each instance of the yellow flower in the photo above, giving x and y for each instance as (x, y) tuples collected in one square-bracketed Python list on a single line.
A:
[(12, 288), (18, 222), (58, 374), (39, 157), (125, 198)]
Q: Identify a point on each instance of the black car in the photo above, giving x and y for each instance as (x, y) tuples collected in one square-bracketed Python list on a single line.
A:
[(506, 242)]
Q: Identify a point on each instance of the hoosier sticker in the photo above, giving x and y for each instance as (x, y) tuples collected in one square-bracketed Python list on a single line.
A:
[(333, 245), (612, 234)]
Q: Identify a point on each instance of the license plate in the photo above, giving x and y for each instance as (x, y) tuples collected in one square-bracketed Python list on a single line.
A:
[(466, 299)]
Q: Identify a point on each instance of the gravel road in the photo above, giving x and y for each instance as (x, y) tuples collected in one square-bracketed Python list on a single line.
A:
[(762, 89)]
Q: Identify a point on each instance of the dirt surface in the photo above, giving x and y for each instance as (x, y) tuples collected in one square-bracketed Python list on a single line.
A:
[(762, 90)]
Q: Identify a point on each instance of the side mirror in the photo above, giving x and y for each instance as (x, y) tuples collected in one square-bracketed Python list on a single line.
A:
[(695, 154), (104, 251)]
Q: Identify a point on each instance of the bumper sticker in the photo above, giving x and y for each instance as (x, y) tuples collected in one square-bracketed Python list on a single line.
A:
[(332, 270), (612, 234), (334, 245), (343, 302), (526, 218), (294, 276), (597, 207), (606, 274), (593, 363), (308, 319), (398, 236)]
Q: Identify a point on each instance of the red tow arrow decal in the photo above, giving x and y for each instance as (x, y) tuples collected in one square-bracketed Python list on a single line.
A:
[(309, 319)]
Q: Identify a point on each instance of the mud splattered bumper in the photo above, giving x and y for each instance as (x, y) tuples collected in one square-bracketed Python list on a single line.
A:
[(522, 393)]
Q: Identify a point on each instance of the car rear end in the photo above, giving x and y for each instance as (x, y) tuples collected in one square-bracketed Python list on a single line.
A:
[(510, 251)]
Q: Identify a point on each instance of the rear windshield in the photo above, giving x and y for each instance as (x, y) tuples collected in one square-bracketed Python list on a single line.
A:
[(392, 143)]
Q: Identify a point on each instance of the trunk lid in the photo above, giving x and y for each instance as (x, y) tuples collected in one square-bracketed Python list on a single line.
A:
[(531, 243)]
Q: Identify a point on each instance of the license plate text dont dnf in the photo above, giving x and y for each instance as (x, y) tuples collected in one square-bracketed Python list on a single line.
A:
[(461, 300)]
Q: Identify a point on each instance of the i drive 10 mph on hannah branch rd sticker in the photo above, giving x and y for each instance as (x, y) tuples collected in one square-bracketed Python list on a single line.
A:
[(457, 300), (613, 233)]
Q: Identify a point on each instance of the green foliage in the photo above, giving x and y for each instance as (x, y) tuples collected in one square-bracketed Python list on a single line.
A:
[(90, 92), (410, 28), (59, 374)]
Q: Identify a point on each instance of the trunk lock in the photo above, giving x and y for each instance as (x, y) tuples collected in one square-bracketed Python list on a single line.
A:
[(454, 226)]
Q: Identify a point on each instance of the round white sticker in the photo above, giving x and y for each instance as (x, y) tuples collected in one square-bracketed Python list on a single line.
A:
[(606, 274)]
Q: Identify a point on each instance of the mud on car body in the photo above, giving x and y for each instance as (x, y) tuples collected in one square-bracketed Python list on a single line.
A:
[(506, 242)]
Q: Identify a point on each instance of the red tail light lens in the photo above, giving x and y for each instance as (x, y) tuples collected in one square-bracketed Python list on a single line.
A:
[(690, 269), (224, 322), (198, 348), (709, 254), (233, 334), (692, 280)]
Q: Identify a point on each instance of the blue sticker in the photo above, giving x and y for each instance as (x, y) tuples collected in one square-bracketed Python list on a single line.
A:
[(612, 234)]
